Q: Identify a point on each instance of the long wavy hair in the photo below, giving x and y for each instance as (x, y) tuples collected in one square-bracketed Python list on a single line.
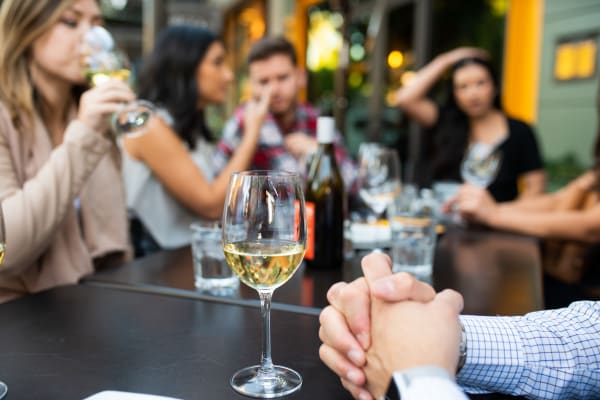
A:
[(452, 136), (168, 78), (21, 23)]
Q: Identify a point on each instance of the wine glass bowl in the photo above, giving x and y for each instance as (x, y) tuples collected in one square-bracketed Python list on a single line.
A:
[(378, 176), (103, 61), (264, 239), (481, 164)]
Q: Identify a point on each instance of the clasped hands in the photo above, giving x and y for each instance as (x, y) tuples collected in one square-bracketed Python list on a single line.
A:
[(384, 322)]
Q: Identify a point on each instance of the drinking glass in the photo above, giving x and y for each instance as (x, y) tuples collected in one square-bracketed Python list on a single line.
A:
[(3, 387), (378, 176), (264, 239), (103, 61), (481, 164)]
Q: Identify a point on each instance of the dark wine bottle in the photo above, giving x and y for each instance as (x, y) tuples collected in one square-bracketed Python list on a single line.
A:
[(325, 203)]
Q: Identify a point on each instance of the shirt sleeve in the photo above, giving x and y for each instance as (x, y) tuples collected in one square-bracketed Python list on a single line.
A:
[(426, 388), (527, 145), (550, 354)]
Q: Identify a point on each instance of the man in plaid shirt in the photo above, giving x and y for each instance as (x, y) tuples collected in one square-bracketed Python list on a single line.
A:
[(288, 133)]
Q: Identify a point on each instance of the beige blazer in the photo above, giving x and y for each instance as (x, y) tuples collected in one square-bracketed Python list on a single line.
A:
[(49, 241)]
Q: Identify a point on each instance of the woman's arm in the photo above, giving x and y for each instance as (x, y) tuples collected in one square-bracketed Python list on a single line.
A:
[(165, 154), (412, 98), (533, 183)]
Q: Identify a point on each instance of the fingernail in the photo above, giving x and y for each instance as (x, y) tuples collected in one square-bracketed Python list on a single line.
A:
[(382, 287), (363, 339), (355, 356), (353, 376), (364, 396)]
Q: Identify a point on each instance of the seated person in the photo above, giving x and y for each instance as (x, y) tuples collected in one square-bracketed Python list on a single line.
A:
[(60, 186), (169, 174), (390, 332), (288, 135), (472, 114)]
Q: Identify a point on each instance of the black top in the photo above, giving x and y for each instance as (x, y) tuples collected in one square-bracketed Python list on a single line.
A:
[(520, 154)]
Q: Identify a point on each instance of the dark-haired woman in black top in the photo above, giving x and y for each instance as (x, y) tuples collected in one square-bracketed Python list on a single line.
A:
[(472, 113)]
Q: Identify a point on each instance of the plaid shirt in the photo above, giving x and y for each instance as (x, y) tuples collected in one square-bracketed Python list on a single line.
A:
[(271, 153)]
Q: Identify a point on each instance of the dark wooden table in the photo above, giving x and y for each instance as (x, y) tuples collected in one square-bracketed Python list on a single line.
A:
[(71, 342), (497, 273)]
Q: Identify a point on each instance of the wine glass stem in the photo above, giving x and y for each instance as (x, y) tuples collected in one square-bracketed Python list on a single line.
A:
[(266, 364)]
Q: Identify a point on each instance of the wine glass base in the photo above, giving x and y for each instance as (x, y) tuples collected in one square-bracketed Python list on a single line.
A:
[(3, 389), (281, 382)]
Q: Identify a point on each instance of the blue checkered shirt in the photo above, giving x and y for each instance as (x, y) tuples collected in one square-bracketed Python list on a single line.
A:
[(552, 354)]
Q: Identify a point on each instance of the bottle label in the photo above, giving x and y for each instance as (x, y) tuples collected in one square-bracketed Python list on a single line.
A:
[(310, 231)]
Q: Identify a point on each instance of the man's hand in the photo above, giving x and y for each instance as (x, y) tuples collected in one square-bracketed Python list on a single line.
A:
[(256, 110), (410, 334), (345, 324)]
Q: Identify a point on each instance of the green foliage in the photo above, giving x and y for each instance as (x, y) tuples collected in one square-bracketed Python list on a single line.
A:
[(562, 170)]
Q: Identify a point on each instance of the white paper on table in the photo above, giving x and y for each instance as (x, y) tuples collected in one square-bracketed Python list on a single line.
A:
[(116, 395)]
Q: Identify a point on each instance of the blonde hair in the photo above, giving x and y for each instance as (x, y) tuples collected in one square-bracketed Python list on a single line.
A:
[(21, 23)]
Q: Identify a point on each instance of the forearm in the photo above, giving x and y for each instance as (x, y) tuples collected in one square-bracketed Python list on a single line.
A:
[(543, 355), (423, 81), (569, 225), (33, 212)]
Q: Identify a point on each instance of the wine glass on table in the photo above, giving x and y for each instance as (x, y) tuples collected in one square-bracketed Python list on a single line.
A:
[(3, 387), (481, 164), (378, 176), (264, 239), (103, 61)]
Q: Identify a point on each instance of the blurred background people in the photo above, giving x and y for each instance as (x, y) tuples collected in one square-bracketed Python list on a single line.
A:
[(382, 327), (472, 114), (60, 185), (288, 135), (169, 173)]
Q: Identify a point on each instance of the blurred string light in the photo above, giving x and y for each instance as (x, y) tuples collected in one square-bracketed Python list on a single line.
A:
[(355, 79), (324, 40), (357, 52), (498, 7), (395, 59)]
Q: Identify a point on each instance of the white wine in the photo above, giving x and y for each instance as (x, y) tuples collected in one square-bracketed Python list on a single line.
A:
[(99, 77), (1, 253), (267, 264)]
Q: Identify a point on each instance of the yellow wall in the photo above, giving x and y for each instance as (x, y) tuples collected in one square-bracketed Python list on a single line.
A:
[(522, 58)]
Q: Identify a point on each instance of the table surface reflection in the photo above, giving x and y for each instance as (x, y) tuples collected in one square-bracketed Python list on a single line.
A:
[(497, 273)]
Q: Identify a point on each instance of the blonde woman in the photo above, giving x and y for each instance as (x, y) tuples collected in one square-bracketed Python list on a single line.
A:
[(60, 185)]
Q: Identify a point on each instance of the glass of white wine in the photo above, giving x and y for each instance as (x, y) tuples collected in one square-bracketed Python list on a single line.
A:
[(379, 180), (264, 239), (3, 387), (103, 61)]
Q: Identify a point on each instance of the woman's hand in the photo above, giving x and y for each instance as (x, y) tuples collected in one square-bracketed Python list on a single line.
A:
[(99, 102), (454, 56), (475, 203)]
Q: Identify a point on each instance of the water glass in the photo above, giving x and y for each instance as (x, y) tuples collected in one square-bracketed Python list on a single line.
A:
[(413, 226), (211, 271)]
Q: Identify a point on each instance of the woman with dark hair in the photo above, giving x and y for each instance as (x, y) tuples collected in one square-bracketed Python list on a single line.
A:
[(168, 171), (472, 114)]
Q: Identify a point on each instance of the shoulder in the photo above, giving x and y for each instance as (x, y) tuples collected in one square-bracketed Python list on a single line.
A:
[(517, 125)]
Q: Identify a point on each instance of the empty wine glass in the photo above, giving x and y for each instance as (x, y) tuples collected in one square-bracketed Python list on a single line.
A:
[(3, 387), (481, 164), (378, 176), (264, 239), (103, 61)]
